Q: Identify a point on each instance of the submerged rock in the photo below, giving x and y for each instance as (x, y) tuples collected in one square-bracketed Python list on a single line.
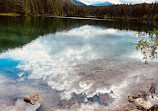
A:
[(134, 110), (142, 94), (152, 89), (140, 102), (155, 108), (32, 98)]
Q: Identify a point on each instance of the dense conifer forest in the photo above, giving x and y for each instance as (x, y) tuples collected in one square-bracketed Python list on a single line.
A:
[(67, 8)]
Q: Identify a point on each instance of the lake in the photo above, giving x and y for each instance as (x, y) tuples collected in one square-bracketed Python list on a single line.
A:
[(73, 64)]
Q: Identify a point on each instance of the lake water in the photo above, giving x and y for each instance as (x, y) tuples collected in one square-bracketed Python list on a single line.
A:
[(74, 65)]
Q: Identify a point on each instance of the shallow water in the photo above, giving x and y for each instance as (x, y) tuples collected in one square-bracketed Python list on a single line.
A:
[(72, 64)]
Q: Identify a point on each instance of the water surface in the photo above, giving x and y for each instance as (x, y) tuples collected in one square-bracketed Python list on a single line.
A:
[(72, 64)]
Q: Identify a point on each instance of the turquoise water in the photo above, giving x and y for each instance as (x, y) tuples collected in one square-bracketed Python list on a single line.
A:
[(72, 64)]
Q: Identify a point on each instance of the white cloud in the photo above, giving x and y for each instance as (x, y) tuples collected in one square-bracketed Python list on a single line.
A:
[(89, 2), (137, 1)]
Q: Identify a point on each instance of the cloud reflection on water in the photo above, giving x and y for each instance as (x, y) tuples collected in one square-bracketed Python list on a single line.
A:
[(53, 57)]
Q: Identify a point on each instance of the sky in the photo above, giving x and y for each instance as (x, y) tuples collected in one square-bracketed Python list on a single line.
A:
[(89, 2)]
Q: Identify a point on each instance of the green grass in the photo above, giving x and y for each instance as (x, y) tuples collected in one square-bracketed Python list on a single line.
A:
[(9, 14)]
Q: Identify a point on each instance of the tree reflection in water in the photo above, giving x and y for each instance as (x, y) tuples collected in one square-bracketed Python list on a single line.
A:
[(148, 45)]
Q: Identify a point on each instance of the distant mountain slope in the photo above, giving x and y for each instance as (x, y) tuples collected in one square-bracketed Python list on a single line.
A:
[(78, 2), (102, 4)]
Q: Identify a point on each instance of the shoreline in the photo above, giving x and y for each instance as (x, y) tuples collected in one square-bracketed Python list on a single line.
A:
[(80, 18), (9, 14)]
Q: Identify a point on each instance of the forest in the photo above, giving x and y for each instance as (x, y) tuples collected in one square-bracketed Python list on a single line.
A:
[(64, 8)]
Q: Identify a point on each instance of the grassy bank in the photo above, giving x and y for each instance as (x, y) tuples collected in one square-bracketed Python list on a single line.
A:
[(9, 14)]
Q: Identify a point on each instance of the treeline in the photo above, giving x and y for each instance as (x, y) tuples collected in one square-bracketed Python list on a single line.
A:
[(61, 8), (125, 11), (31, 6)]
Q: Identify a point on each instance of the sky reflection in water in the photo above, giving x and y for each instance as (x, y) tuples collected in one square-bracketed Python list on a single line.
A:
[(54, 58)]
